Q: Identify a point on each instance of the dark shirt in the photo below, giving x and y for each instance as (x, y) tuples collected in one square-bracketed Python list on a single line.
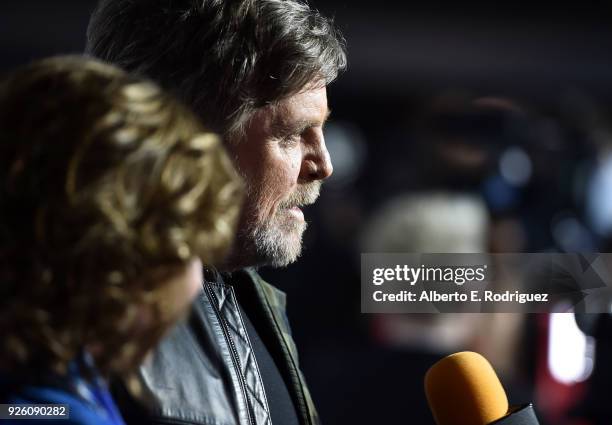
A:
[(282, 409)]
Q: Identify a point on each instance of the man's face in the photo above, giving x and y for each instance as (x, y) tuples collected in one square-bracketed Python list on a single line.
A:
[(283, 159)]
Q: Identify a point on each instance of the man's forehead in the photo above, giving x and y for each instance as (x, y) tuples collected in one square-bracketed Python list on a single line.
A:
[(308, 106)]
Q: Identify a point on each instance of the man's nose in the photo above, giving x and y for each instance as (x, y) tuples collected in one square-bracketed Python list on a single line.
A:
[(316, 164)]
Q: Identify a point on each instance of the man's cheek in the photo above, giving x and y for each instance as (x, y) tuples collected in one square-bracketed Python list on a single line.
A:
[(266, 204)]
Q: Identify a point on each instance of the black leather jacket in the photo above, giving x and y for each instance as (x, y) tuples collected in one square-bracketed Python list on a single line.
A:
[(205, 372)]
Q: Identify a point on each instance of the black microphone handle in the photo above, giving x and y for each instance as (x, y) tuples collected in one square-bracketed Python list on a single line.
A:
[(519, 415)]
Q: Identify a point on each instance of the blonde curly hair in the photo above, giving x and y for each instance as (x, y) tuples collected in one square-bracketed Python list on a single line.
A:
[(108, 186)]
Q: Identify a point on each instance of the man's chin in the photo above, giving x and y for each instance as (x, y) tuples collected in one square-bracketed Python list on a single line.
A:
[(272, 246), (286, 258), (279, 249)]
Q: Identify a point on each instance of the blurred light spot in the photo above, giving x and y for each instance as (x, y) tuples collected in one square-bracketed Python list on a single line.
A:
[(346, 147), (599, 199), (572, 236), (515, 166), (499, 194), (571, 353)]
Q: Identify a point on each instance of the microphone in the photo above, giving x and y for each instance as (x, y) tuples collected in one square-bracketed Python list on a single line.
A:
[(463, 389)]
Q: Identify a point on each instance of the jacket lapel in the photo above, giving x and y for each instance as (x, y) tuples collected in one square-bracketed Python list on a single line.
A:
[(272, 309)]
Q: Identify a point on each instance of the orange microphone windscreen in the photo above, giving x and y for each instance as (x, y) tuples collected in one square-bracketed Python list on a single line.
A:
[(463, 389)]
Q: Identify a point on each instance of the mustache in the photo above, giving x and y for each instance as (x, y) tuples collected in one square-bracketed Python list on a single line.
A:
[(305, 194)]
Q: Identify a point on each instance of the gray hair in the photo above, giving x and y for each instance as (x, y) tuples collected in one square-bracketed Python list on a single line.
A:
[(429, 222), (226, 58)]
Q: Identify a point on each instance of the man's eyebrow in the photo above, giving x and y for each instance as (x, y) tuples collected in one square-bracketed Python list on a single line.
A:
[(281, 127)]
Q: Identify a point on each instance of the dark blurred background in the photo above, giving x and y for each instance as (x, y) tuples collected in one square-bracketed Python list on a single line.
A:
[(457, 128)]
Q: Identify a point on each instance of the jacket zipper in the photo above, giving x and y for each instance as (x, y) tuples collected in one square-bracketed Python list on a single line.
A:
[(234, 352)]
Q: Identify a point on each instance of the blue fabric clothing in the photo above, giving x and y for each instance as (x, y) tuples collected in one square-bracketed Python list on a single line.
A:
[(82, 389)]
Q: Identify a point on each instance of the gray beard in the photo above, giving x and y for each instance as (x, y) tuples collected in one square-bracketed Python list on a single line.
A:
[(277, 244), (274, 243)]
